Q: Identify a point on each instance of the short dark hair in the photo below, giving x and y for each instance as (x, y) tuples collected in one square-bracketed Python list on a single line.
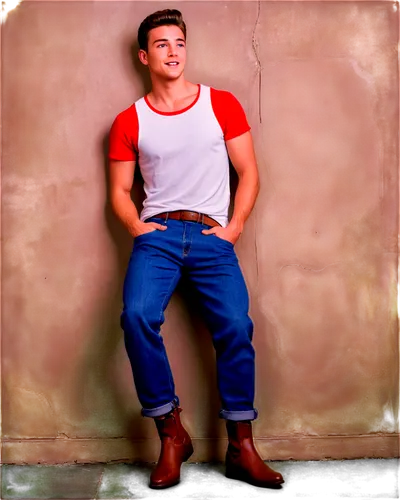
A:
[(164, 17)]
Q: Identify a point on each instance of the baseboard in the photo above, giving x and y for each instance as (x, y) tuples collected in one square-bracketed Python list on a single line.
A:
[(64, 450)]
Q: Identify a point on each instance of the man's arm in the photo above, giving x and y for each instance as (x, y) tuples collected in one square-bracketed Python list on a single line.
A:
[(121, 180), (243, 158), (241, 153)]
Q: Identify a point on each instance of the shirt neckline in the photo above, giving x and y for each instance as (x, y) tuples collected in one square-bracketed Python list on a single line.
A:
[(179, 111)]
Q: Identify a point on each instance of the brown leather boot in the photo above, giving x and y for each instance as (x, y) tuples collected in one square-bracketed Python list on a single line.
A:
[(243, 461), (176, 447)]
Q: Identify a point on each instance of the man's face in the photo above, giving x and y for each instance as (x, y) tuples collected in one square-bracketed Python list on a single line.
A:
[(166, 44)]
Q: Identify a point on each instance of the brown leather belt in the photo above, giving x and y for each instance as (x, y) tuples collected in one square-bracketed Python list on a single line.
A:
[(188, 216)]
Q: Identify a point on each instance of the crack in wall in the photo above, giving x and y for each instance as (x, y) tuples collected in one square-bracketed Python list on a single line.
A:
[(256, 255), (62, 435), (255, 47), (298, 265)]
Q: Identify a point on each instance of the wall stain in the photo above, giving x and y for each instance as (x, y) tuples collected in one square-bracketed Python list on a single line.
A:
[(386, 422), (363, 264), (27, 405)]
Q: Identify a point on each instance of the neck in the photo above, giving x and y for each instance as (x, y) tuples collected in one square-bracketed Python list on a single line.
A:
[(169, 92)]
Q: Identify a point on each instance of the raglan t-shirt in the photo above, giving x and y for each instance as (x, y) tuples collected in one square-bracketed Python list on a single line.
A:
[(181, 154)]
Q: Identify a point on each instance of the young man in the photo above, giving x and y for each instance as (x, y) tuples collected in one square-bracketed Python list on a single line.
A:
[(181, 134)]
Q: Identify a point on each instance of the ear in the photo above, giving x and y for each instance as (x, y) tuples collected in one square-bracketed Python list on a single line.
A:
[(143, 57)]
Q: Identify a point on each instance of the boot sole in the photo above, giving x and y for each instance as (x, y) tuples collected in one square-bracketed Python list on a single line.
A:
[(240, 476)]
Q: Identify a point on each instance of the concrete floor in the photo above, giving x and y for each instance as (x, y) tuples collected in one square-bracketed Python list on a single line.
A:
[(368, 478)]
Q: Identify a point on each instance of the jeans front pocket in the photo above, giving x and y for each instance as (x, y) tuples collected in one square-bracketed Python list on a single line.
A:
[(229, 243), (141, 236)]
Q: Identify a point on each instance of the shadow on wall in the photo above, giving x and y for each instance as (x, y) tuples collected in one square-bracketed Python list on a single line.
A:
[(184, 298)]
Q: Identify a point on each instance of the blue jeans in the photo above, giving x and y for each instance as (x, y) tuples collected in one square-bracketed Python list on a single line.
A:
[(156, 264)]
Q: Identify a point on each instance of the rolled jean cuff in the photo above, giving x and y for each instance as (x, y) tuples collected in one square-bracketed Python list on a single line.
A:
[(239, 415), (160, 410)]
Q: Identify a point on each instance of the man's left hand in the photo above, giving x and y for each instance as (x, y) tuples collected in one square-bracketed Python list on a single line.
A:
[(225, 233)]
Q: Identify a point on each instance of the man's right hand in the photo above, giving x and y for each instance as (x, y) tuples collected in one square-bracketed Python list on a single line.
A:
[(146, 227)]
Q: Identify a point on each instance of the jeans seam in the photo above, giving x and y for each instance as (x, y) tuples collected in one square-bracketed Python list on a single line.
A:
[(159, 319)]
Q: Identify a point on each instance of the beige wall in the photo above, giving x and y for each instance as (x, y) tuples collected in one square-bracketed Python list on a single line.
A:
[(319, 83)]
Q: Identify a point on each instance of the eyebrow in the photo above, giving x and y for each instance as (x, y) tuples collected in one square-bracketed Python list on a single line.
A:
[(166, 40)]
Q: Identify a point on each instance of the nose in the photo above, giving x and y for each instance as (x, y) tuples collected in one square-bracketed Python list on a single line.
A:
[(172, 50)]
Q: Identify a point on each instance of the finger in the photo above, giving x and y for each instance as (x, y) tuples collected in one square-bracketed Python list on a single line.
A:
[(208, 231), (155, 225)]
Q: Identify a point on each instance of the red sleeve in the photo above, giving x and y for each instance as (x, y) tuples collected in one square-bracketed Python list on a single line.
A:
[(229, 113), (124, 134)]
